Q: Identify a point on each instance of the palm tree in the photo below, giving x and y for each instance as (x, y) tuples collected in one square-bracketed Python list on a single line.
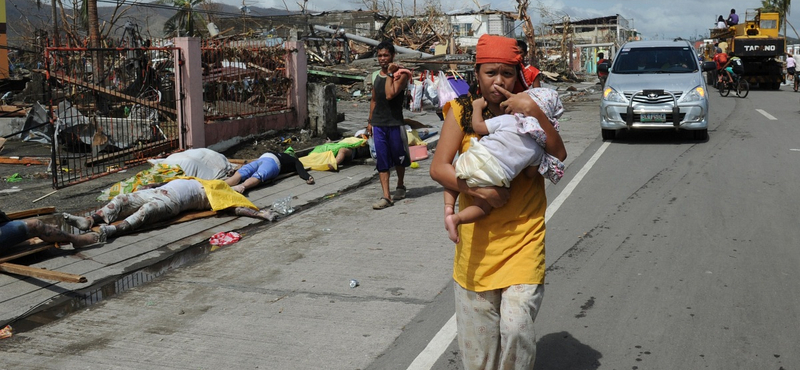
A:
[(183, 23)]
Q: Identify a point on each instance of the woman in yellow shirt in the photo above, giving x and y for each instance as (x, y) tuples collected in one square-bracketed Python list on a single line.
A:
[(499, 262)]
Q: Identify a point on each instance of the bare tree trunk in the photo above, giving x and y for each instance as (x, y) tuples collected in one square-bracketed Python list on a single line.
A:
[(94, 41), (527, 28), (55, 23)]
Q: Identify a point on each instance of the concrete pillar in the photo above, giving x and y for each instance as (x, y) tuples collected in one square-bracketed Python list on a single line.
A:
[(190, 92), (297, 70), (322, 113)]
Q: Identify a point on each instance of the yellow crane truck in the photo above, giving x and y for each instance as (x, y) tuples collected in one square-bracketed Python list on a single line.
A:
[(758, 44)]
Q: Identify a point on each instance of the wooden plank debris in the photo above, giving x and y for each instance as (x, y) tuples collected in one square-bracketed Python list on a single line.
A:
[(24, 160), (31, 213), (41, 273)]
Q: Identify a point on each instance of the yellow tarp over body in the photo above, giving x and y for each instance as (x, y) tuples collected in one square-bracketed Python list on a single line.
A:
[(220, 195)]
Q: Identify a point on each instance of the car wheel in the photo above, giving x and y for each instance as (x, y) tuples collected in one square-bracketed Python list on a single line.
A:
[(700, 135), (609, 134)]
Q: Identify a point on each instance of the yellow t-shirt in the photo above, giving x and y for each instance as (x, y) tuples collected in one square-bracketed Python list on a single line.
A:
[(506, 247)]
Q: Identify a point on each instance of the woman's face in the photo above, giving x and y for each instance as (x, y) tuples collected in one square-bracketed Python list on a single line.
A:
[(496, 74)]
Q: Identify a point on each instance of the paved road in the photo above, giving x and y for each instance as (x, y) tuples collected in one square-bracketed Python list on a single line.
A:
[(662, 253)]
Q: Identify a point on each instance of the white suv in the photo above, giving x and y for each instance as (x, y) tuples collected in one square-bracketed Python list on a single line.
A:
[(655, 85)]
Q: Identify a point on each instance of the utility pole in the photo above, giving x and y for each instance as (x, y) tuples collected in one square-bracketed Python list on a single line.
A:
[(55, 22)]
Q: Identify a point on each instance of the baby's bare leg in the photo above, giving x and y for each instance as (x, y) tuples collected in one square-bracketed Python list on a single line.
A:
[(468, 215)]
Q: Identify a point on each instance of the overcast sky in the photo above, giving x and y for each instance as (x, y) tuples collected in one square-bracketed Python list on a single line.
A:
[(654, 19)]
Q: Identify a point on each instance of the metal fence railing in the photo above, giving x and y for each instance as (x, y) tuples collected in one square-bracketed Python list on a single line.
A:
[(243, 79), (110, 108)]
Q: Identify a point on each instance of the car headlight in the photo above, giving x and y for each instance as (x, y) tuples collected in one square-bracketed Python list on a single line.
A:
[(610, 94), (697, 94)]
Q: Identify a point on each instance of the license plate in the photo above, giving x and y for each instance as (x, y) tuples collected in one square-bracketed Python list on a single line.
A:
[(654, 117)]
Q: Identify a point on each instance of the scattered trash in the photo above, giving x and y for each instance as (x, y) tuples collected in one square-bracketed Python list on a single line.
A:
[(353, 283), (283, 205), (223, 238), (44, 196), (414, 165), (357, 93), (14, 178), (9, 191), (6, 332), (326, 229)]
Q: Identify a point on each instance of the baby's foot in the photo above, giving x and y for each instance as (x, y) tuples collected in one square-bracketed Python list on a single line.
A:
[(239, 188), (82, 223), (452, 228)]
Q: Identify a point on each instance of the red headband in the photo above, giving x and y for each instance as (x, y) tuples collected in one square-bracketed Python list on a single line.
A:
[(499, 49)]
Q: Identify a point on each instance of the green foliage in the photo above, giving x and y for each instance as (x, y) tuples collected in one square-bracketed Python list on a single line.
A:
[(185, 21)]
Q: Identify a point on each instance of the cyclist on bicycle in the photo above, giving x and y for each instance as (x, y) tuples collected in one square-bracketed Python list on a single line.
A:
[(733, 67), (721, 59)]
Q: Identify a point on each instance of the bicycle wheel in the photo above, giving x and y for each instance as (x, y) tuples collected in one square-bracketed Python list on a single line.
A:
[(742, 88), (724, 88)]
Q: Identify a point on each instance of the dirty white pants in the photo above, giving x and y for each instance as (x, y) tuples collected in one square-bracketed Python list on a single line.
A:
[(495, 328), (140, 207)]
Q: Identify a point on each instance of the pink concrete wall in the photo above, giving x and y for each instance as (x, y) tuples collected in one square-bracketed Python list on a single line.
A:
[(219, 131), (190, 101)]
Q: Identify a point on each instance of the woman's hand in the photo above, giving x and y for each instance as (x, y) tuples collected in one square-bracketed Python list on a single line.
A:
[(517, 103), (496, 196)]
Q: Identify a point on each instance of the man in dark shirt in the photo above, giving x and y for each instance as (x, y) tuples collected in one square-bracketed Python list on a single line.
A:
[(386, 124)]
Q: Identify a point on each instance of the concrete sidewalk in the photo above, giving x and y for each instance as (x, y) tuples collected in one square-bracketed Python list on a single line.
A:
[(105, 267)]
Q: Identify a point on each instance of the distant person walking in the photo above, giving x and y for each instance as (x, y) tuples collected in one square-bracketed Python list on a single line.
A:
[(386, 125), (533, 76), (791, 64), (602, 75)]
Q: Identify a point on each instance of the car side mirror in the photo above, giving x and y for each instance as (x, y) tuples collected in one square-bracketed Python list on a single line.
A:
[(603, 67), (709, 66)]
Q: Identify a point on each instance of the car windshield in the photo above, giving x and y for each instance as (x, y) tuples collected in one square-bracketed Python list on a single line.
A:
[(655, 60)]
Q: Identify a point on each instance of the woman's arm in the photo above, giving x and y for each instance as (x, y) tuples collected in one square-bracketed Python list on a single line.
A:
[(443, 171)]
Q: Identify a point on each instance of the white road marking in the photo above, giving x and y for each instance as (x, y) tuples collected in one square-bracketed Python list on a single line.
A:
[(794, 150), (436, 347), (769, 116)]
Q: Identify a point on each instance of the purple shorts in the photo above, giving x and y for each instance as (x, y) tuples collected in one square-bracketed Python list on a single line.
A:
[(391, 147), (13, 233), (264, 169)]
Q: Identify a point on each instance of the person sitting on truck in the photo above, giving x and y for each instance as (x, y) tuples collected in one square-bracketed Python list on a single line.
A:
[(721, 23), (733, 18)]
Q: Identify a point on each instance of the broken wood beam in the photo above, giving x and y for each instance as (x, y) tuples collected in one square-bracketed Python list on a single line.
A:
[(31, 213), (24, 160), (35, 249), (41, 273)]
